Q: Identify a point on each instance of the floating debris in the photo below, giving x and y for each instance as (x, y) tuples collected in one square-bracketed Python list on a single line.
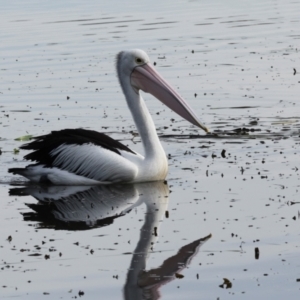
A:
[(223, 153), (24, 138), (226, 284)]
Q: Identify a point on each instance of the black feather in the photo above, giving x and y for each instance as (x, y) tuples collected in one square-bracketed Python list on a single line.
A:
[(44, 144)]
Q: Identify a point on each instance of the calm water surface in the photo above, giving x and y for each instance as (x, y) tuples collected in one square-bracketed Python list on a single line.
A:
[(226, 224)]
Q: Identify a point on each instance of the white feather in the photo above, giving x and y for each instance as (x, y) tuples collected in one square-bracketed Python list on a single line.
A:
[(94, 162)]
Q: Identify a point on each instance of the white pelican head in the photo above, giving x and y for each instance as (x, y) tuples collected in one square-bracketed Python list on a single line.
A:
[(135, 66)]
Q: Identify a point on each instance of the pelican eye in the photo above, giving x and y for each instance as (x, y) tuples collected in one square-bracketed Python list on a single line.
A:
[(138, 60)]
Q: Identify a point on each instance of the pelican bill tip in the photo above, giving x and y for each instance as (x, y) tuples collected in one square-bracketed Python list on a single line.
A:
[(206, 129)]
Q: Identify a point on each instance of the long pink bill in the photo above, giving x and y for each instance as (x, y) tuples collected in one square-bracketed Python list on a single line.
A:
[(146, 78)]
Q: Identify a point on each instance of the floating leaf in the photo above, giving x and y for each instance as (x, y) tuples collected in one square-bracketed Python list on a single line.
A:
[(16, 151), (24, 138)]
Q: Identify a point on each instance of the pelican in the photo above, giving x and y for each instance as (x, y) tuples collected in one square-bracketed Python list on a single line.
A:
[(85, 157)]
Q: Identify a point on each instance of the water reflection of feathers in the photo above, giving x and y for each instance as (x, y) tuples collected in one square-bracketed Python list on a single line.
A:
[(89, 207)]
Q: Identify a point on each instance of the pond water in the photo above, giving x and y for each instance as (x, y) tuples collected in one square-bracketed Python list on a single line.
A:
[(226, 223)]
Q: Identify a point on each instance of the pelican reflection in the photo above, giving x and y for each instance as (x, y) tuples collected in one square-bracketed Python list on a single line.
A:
[(87, 207)]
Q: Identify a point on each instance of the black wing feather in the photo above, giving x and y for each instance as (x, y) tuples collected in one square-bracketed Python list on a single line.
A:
[(44, 144)]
